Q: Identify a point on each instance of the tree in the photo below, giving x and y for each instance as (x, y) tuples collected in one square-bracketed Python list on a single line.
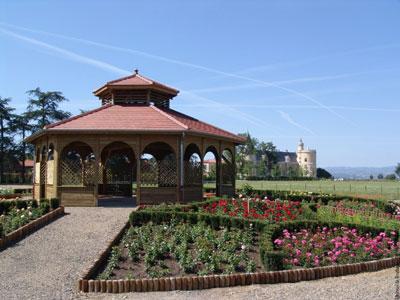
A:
[(390, 177), (380, 176), (397, 170), (5, 131), (268, 155), (322, 173), (371, 177), (245, 154), (43, 107), (20, 126)]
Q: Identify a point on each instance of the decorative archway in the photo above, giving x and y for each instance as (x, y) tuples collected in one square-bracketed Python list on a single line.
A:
[(77, 166), (118, 170), (211, 167), (158, 174), (193, 174), (227, 172)]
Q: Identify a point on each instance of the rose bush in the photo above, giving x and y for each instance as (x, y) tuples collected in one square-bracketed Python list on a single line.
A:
[(272, 211), (329, 246)]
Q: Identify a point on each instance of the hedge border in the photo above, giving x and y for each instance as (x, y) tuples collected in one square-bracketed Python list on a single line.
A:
[(88, 285), (22, 232)]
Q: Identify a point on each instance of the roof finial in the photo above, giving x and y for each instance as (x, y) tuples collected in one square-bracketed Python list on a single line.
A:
[(136, 71)]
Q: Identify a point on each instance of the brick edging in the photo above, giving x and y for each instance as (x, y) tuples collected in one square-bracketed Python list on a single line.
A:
[(31, 227), (88, 285)]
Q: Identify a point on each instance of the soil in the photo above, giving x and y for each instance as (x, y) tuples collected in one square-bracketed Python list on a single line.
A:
[(130, 269)]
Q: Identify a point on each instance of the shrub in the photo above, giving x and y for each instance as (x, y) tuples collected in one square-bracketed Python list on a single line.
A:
[(44, 206), (1, 231), (54, 203)]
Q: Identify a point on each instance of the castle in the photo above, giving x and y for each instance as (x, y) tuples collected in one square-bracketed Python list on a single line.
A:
[(302, 162)]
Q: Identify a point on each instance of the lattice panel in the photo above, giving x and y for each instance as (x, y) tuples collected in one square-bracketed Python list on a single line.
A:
[(149, 172), (43, 172), (228, 168), (158, 173), (89, 173), (71, 171), (167, 173), (193, 172)]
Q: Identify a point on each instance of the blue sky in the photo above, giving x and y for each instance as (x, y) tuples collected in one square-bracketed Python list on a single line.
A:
[(327, 71)]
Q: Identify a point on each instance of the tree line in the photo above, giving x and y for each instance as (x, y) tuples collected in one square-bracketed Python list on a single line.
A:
[(43, 108)]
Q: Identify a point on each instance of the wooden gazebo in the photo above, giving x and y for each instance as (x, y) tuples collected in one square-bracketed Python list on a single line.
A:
[(134, 141)]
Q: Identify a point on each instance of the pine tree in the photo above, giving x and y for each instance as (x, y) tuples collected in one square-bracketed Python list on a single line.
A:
[(20, 126), (6, 142), (43, 107)]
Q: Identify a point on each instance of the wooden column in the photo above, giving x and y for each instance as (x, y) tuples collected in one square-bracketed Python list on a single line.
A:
[(56, 156), (219, 170), (179, 168), (138, 170)]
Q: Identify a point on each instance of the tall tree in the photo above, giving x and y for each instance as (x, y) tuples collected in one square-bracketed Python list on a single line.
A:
[(397, 170), (5, 130), (20, 126), (43, 107), (268, 153)]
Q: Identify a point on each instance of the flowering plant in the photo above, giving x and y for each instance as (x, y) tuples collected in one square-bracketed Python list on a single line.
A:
[(272, 211), (330, 246)]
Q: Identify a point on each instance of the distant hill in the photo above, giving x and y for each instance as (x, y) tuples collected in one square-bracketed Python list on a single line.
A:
[(359, 172)]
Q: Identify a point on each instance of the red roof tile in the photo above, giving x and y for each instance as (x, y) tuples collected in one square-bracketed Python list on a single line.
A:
[(136, 80), (138, 119)]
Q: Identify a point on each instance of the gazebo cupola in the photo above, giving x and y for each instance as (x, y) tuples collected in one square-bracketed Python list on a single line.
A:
[(136, 90)]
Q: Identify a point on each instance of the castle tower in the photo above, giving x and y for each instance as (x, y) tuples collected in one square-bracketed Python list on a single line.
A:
[(307, 159)]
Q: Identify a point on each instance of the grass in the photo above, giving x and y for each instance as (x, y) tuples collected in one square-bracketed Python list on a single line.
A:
[(384, 189)]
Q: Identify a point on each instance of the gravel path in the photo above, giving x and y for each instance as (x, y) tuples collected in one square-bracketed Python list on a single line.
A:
[(376, 285), (47, 264)]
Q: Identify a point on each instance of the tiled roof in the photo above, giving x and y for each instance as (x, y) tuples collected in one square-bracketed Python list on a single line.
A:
[(139, 119), (137, 80)]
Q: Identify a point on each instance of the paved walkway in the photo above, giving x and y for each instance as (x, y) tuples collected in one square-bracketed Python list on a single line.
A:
[(47, 264)]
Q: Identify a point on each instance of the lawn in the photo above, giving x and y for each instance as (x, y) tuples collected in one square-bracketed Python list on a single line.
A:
[(378, 189)]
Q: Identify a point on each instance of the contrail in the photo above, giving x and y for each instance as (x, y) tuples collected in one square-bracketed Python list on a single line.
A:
[(108, 67), (68, 54), (196, 66), (282, 82), (289, 119), (251, 119), (374, 109)]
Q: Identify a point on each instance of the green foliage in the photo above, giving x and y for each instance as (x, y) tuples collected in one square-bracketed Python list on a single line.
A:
[(326, 213), (54, 203), (43, 107), (14, 214), (247, 190), (323, 174), (390, 177), (112, 263)]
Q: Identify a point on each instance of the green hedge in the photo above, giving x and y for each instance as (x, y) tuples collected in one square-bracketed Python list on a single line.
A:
[(322, 198)]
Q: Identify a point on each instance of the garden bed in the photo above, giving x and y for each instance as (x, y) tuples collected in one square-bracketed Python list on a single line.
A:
[(306, 239), (172, 249), (20, 218)]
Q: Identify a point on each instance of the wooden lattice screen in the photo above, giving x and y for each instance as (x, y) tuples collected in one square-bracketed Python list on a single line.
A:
[(75, 172), (193, 172), (43, 172), (228, 168), (158, 173)]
